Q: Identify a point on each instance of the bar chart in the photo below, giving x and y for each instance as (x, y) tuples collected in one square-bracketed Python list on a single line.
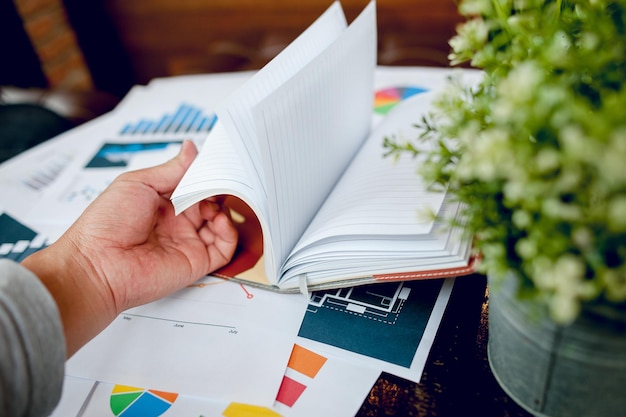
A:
[(185, 119)]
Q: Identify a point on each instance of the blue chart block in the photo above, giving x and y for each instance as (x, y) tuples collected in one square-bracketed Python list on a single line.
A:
[(160, 124), (179, 117), (207, 123), (166, 123), (383, 321), (142, 126), (189, 119), (17, 241), (146, 405)]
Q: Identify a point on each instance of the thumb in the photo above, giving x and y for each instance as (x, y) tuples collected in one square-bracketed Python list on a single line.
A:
[(165, 177)]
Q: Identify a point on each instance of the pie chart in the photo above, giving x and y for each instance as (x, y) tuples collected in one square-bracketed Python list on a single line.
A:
[(387, 98), (138, 402)]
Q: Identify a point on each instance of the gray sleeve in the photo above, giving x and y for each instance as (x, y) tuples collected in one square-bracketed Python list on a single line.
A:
[(32, 345)]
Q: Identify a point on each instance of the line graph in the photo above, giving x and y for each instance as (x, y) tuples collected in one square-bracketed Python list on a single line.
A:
[(179, 322)]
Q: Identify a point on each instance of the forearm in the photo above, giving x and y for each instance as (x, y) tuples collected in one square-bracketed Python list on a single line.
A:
[(84, 303)]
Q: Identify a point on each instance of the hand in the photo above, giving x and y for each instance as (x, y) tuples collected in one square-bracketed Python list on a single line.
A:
[(128, 248), (132, 241)]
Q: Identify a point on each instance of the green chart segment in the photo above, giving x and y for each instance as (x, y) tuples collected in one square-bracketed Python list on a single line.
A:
[(136, 402), (387, 98)]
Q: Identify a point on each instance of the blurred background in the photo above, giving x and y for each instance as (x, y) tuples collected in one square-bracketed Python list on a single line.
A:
[(76, 59)]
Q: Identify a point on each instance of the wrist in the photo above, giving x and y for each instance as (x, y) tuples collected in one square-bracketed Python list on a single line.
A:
[(85, 303)]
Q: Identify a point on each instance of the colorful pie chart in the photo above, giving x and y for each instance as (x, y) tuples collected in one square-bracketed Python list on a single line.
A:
[(138, 402), (387, 98)]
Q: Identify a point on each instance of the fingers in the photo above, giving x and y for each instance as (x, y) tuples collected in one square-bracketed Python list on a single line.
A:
[(226, 237), (220, 237), (209, 208)]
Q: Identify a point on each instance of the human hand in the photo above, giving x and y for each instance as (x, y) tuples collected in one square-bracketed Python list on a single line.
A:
[(131, 239), (128, 248)]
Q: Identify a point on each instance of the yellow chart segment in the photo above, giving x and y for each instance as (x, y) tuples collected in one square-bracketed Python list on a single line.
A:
[(245, 410), (124, 389)]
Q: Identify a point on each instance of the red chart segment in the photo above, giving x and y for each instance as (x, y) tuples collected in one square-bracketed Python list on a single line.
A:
[(304, 366), (387, 98), (289, 392)]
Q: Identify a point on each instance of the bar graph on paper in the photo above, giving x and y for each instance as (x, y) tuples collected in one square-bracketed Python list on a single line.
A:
[(185, 119)]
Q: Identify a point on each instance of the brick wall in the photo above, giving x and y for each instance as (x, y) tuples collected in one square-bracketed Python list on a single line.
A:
[(55, 43)]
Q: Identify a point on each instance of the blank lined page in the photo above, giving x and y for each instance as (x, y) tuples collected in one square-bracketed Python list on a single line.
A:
[(236, 111), (216, 170), (380, 195), (311, 127)]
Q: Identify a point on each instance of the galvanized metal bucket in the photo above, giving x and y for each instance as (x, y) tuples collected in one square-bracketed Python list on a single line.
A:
[(551, 370)]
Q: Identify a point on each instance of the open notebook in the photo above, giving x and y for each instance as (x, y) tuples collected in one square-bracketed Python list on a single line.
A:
[(316, 202)]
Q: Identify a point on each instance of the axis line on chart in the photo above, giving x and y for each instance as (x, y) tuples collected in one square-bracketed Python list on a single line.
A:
[(179, 321)]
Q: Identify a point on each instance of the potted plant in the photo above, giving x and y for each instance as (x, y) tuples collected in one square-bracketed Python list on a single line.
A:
[(537, 155)]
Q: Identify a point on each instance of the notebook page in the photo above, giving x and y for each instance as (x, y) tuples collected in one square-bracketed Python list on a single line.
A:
[(236, 110), (352, 257), (380, 195), (311, 127), (216, 170)]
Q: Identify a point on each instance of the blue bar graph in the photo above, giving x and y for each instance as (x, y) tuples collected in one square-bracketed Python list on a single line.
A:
[(186, 119)]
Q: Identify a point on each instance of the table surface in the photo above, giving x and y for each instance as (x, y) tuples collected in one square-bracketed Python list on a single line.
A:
[(457, 379)]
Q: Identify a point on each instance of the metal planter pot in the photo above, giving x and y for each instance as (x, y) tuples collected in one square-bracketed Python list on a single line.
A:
[(551, 370)]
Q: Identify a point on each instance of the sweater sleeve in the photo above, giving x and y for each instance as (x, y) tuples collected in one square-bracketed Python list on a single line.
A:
[(32, 344)]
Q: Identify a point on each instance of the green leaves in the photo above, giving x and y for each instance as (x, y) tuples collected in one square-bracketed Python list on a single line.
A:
[(537, 151)]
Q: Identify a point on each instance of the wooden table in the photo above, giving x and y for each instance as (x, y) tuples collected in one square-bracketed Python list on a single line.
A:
[(457, 380)]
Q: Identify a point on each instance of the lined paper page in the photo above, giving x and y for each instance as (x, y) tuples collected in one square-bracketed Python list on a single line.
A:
[(236, 111), (311, 127), (216, 170), (378, 195)]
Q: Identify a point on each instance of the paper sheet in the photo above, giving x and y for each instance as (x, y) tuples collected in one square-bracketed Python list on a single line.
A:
[(304, 154), (327, 386), (67, 154), (387, 327), (215, 339)]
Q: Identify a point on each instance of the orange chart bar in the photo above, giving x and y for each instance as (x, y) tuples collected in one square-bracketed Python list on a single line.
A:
[(305, 361)]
